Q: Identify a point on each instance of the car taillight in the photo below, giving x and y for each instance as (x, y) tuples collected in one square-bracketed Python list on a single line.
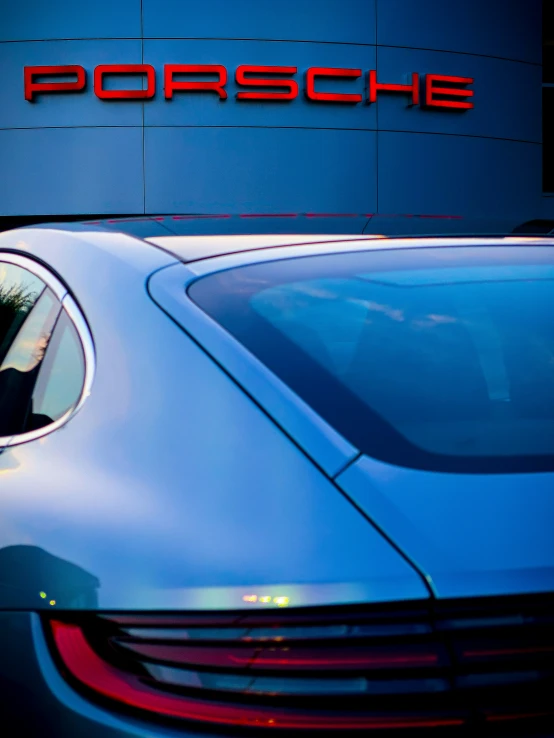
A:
[(326, 669)]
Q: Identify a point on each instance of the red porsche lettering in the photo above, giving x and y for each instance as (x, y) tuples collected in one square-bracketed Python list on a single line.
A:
[(171, 84), (255, 82), (289, 87), (103, 69), (331, 72), (32, 87), (375, 87), (434, 96)]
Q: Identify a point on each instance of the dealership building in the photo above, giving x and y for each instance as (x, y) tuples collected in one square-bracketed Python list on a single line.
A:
[(412, 107)]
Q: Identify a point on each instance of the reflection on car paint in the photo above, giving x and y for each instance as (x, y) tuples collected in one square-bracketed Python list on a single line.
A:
[(30, 574)]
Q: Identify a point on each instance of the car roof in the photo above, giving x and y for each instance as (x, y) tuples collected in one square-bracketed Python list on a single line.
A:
[(222, 250), (196, 248), (395, 224), (190, 249), (392, 224)]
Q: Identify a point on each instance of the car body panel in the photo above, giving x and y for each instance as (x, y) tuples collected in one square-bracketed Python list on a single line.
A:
[(191, 478), (394, 224), (127, 489), (331, 451), (170, 488), (472, 535), (230, 224), (194, 248), (339, 244)]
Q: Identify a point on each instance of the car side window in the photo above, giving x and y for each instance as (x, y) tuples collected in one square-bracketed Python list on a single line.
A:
[(61, 376), (42, 359), (19, 291), (21, 364)]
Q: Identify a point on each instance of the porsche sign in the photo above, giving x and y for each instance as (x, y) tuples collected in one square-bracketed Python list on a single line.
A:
[(259, 83)]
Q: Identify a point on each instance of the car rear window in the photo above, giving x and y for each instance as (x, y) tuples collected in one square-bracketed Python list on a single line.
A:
[(432, 358)]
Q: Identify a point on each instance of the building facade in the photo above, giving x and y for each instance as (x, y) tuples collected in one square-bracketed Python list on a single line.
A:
[(189, 140)]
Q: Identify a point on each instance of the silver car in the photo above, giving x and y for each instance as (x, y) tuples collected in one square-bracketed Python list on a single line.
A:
[(299, 482)]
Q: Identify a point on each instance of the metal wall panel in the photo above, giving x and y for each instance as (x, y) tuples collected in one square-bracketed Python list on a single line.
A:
[(197, 153), (510, 29), (22, 20), (67, 109), (259, 170), (71, 170), (457, 175), (338, 21), (506, 99)]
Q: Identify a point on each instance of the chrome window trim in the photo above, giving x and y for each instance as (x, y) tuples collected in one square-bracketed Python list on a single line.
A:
[(83, 331), (85, 337), (37, 269)]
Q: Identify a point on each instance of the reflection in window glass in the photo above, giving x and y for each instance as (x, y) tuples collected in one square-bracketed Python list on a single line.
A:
[(432, 358), (61, 377), (19, 290), (28, 348), (18, 371)]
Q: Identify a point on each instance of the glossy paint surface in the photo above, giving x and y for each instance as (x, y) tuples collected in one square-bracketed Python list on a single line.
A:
[(170, 488), (331, 451), (473, 535), (191, 479)]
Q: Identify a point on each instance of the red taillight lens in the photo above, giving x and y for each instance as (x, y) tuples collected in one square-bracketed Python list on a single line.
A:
[(93, 672), (287, 658), (411, 665)]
